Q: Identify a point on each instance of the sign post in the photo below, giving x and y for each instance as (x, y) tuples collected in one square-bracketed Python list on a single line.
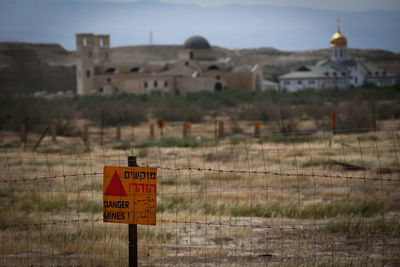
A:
[(129, 196), (132, 228)]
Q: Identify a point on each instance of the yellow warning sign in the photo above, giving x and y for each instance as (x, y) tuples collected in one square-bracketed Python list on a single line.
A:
[(129, 195)]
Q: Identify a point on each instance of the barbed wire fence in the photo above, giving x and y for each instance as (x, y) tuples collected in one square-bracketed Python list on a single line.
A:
[(299, 199)]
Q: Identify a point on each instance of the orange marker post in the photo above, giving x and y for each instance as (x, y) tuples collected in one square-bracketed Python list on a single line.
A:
[(333, 121), (161, 124), (257, 129), (188, 128)]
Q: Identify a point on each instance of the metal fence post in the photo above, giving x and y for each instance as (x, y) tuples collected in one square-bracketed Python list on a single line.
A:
[(133, 247)]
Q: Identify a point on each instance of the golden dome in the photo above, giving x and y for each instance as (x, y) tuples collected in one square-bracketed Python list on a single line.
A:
[(338, 40)]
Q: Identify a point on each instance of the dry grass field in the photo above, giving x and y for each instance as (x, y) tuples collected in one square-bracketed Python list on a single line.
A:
[(311, 199)]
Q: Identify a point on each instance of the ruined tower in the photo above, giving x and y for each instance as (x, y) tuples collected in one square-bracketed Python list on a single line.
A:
[(90, 49)]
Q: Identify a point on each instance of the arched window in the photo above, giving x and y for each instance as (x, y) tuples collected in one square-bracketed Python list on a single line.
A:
[(155, 84), (218, 77), (165, 84), (88, 73), (135, 69), (101, 43), (108, 80), (213, 67), (145, 84), (110, 70), (191, 54)]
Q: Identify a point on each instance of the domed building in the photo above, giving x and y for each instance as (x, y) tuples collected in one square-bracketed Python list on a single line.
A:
[(338, 46), (196, 68), (336, 73), (196, 42)]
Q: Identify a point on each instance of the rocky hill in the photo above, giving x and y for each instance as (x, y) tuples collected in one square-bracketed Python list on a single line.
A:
[(26, 68)]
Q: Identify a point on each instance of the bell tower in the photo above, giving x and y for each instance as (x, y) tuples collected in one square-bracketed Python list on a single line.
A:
[(338, 45), (90, 49)]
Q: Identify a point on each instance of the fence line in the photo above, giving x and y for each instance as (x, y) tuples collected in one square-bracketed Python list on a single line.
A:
[(274, 173), (326, 200)]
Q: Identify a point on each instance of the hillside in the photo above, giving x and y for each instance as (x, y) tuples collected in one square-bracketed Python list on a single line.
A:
[(27, 68)]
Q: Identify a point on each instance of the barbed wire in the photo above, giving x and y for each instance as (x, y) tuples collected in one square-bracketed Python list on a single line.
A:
[(185, 222), (257, 172)]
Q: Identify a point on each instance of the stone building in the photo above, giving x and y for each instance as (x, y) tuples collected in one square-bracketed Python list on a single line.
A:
[(196, 68), (337, 73)]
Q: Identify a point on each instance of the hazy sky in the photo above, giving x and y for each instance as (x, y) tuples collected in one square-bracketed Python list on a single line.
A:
[(283, 24), (343, 5)]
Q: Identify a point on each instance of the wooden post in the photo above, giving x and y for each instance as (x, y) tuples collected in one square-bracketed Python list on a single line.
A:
[(85, 140), (22, 133), (257, 128), (221, 129), (132, 228), (215, 125), (54, 132), (102, 128), (184, 130), (86, 133), (46, 129), (151, 131), (118, 133), (374, 116)]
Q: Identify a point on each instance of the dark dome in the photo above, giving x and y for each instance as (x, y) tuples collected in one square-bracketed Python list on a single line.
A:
[(196, 42)]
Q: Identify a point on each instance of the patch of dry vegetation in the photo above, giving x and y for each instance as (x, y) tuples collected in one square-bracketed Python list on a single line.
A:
[(281, 199)]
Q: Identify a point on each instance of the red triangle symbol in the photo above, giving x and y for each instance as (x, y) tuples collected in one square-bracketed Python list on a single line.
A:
[(115, 187)]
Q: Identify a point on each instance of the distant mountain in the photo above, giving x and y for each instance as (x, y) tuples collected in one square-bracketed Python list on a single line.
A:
[(243, 26), (26, 68)]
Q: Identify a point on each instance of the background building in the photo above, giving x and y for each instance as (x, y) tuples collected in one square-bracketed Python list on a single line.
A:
[(195, 69), (338, 72)]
